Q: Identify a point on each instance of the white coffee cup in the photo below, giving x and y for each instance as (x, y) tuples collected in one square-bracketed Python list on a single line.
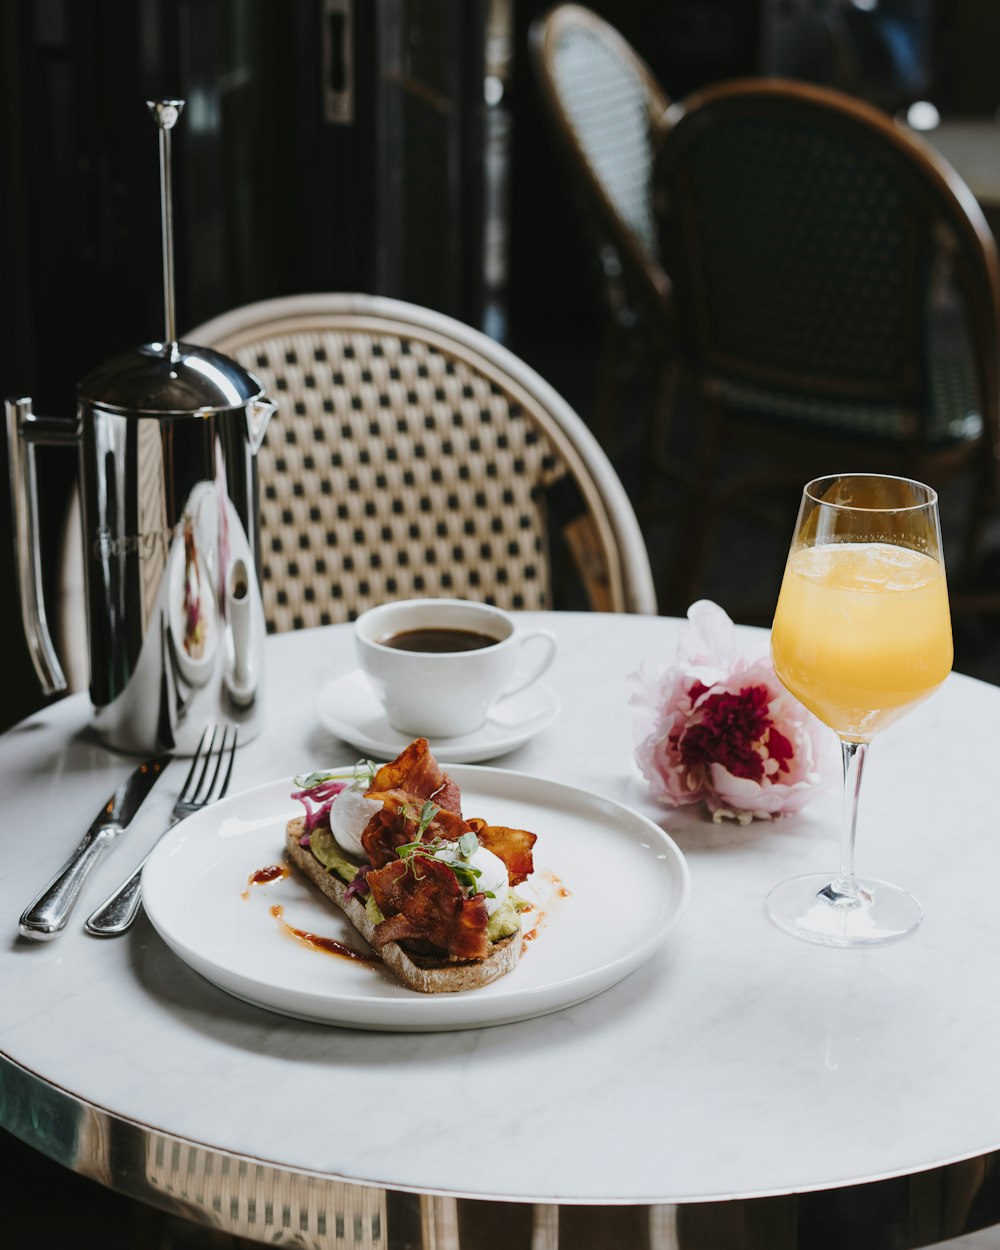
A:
[(440, 694)]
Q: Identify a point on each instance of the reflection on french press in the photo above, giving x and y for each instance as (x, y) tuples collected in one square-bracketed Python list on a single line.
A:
[(192, 613), (245, 641), (199, 624), (215, 630)]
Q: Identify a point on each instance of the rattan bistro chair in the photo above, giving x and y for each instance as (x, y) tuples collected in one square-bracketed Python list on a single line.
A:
[(605, 105), (410, 456), (413, 456), (837, 294)]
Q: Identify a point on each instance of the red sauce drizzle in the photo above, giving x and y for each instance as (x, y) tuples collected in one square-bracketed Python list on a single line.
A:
[(329, 945), (263, 875), (542, 919)]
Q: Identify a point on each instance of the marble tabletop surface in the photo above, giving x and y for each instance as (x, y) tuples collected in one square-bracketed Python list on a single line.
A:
[(737, 1062)]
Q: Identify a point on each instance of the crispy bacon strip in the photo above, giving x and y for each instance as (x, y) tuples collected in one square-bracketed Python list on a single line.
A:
[(422, 900), (397, 824), (513, 846), (403, 786), (417, 772)]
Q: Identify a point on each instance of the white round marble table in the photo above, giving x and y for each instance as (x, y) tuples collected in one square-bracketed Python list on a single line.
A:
[(738, 1071)]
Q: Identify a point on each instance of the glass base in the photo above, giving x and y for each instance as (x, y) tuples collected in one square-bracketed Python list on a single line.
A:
[(815, 909)]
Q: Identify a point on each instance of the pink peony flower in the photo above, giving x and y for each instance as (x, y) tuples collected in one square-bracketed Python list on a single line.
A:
[(725, 731)]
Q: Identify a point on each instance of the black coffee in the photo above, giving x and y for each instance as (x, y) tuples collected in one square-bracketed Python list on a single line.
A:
[(438, 640)]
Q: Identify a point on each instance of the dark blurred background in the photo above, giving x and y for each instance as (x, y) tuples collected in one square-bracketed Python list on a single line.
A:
[(391, 146)]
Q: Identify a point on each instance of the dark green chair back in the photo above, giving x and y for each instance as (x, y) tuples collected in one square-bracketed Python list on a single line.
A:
[(830, 271)]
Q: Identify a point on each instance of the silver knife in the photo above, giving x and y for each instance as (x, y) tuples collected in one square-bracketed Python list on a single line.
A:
[(47, 914)]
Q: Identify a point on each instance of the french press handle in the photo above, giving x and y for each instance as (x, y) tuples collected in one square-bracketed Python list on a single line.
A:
[(24, 431)]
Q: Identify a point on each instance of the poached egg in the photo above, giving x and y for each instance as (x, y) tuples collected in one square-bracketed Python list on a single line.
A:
[(492, 870), (350, 813)]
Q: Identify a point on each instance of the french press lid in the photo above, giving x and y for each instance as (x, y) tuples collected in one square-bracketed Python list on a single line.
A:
[(169, 380)]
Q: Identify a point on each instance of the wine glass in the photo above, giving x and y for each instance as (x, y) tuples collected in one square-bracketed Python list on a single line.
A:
[(862, 633)]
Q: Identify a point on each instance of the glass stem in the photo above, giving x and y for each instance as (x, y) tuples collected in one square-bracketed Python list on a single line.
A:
[(845, 887)]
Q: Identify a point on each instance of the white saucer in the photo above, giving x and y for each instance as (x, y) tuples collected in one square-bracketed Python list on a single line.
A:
[(348, 707)]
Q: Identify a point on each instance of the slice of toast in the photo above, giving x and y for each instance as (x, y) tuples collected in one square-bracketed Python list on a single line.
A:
[(428, 974)]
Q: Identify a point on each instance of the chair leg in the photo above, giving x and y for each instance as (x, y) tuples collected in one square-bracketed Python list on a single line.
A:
[(659, 425), (606, 403), (664, 465), (983, 504), (656, 468), (700, 515), (966, 597), (692, 543)]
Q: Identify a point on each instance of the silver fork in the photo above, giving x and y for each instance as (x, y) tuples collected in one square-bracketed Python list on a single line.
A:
[(116, 914)]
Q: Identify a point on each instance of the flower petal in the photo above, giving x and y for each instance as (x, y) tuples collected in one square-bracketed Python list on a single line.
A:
[(714, 707)]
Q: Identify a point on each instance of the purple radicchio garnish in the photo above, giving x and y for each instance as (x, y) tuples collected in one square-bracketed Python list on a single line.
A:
[(316, 794), (359, 886)]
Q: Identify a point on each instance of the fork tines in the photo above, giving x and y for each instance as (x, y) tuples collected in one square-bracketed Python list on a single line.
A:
[(207, 788)]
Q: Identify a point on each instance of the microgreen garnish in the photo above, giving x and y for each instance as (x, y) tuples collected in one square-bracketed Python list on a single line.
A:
[(309, 781), (468, 877), (468, 844), (427, 814), (423, 820), (363, 771), (409, 849)]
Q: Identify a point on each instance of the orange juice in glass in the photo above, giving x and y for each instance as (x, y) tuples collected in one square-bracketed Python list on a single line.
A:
[(861, 633)]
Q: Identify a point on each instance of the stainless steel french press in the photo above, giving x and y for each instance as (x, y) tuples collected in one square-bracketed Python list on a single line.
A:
[(167, 436)]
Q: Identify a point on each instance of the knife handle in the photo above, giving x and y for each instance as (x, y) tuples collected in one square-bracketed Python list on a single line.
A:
[(115, 915), (45, 917)]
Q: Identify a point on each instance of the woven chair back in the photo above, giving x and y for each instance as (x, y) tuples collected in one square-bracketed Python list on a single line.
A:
[(808, 238), (411, 456), (605, 103)]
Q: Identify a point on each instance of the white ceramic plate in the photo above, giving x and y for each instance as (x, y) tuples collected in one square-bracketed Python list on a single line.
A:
[(349, 708), (196, 893)]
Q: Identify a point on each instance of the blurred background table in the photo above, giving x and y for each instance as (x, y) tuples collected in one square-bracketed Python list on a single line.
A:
[(972, 146)]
